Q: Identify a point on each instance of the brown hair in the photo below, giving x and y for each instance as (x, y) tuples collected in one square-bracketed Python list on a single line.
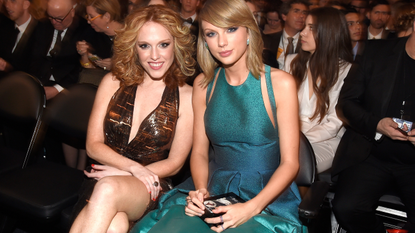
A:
[(103, 6), (333, 51), (127, 67), (225, 14), (405, 15)]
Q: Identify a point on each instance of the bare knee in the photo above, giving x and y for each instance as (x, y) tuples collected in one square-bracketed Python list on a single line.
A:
[(106, 189)]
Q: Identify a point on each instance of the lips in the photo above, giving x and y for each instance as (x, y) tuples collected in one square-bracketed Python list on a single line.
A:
[(156, 65), (225, 53)]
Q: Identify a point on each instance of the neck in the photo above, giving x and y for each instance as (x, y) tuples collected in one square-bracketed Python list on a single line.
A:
[(269, 30), (291, 32), (25, 17), (405, 33), (410, 46), (374, 31), (113, 25), (237, 73), (186, 15)]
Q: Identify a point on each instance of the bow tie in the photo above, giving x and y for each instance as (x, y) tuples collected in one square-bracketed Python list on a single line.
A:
[(189, 20)]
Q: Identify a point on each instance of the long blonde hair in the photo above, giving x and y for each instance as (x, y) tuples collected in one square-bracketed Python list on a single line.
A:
[(127, 67), (225, 14)]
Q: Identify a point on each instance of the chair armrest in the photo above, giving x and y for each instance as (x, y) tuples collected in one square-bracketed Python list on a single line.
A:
[(313, 200)]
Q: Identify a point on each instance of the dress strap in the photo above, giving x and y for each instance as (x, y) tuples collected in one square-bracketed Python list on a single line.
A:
[(270, 92), (212, 85)]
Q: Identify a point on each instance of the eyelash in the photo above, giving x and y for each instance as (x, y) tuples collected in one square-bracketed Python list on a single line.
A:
[(230, 30), (162, 45)]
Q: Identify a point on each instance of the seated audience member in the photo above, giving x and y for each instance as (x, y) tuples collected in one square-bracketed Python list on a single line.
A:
[(378, 15), (141, 123), (319, 68), (405, 15), (293, 13), (254, 9), (104, 16), (274, 22), (244, 110), (55, 60), (375, 155), (338, 5), (355, 30), (17, 41)]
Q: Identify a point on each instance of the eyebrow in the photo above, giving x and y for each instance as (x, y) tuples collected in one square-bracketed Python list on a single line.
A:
[(162, 41)]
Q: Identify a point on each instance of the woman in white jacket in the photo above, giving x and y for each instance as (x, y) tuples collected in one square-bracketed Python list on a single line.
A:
[(319, 68)]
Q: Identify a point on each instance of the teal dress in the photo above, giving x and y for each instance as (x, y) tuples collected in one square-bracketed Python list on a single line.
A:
[(245, 147)]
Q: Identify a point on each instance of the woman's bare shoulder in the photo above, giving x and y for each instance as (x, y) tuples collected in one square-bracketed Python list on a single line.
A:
[(281, 79)]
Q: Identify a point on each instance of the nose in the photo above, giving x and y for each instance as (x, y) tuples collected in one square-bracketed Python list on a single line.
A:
[(223, 41), (155, 54)]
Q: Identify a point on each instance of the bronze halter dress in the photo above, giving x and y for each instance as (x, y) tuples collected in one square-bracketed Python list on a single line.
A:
[(152, 141)]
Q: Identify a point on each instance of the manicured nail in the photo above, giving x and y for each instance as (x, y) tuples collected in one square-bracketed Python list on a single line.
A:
[(92, 165), (154, 199)]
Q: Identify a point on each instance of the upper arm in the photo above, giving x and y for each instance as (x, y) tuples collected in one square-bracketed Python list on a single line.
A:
[(286, 99)]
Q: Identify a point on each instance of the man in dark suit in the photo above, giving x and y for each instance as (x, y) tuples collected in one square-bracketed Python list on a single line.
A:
[(378, 15), (16, 43), (294, 13), (375, 155), (55, 59), (356, 31)]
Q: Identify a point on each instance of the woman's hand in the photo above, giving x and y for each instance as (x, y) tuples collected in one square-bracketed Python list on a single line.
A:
[(104, 63), (233, 216), (100, 171), (150, 180), (195, 205), (82, 47)]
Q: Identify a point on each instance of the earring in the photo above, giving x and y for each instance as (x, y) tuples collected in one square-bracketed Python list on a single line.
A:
[(206, 45), (247, 42), (108, 27)]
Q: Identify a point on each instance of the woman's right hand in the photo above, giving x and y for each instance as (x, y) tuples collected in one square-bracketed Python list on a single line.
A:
[(194, 201), (150, 180), (82, 47)]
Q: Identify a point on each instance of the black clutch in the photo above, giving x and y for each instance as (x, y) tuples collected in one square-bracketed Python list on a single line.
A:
[(221, 200)]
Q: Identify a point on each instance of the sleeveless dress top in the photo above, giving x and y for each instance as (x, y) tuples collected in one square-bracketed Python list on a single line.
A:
[(244, 155), (155, 134)]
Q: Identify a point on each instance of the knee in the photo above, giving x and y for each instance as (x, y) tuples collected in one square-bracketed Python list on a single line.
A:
[(106, 188), (344, 210)]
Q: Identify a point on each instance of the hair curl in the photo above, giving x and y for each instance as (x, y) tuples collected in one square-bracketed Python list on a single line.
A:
[(333, 51), (405, 15), (225, 14), (126, 65)]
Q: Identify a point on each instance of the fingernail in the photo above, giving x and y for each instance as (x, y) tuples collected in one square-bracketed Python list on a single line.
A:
[(149, 192), (92, 165), (154, 199)]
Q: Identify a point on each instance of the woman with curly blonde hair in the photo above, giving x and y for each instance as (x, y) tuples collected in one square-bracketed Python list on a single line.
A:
[(140, 128), (405, 15)]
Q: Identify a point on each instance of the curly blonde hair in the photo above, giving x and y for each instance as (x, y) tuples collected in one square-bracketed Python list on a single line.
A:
[(126, 65), (225, 14)]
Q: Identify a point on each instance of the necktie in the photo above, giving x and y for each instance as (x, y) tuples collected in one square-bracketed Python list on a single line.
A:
[(189, 20), (16, 33), (290, 46), (57, 46)]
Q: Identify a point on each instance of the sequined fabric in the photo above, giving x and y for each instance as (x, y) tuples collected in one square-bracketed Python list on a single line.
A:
[(155, 134)]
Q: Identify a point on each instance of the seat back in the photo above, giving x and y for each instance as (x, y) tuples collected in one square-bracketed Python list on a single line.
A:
[(23, 100), (69, 113), (307, 172)]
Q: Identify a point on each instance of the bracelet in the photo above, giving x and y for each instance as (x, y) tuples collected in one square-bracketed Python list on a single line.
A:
[(85, 65)]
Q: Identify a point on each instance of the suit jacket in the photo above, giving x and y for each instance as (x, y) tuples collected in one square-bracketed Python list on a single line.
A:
[(364, 99), (65, 66), (22, 54), (272, 42)]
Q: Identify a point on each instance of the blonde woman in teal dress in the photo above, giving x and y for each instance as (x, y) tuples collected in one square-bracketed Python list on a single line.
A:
[(248, 113)]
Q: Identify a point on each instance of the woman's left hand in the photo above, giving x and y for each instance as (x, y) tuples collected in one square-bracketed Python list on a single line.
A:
[(101, 171), (104, 63), (233, 216)]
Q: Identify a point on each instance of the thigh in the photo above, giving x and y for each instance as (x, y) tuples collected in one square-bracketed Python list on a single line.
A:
[(128, 194), (360, 186)]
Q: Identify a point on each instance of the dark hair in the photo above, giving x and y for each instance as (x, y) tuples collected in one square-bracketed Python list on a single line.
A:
[(405, 16), (349, 10), (333, 51), (286, 6), (375, 3)]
